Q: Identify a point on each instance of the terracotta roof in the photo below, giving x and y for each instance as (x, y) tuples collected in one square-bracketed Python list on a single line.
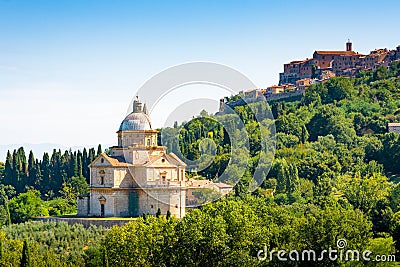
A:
[(336, 52), (276, 86), (171, 158), (114, 161), (394, 124), (223, 185)]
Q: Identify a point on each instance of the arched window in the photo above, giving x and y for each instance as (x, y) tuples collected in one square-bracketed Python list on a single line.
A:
[(102, 175)]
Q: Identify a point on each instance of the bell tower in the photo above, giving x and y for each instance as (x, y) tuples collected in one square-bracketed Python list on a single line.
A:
[(349, 46)]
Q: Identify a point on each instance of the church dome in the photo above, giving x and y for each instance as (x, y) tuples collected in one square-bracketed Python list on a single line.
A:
[(138, 120)]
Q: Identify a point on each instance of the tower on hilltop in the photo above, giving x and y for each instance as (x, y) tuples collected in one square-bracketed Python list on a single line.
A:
[(349, 46)]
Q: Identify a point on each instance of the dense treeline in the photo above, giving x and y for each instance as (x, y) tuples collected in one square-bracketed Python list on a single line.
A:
[(48, 174), (31, 187)]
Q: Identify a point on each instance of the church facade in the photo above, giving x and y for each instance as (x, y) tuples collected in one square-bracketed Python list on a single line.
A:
[(137, 176)]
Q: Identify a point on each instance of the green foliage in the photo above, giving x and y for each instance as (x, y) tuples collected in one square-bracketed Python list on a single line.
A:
[(338, 88), (26, 206), (226, 233), (52, 244), (364, 192)]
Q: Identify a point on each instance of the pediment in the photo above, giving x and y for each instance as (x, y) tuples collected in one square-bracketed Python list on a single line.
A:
[(163, 161), (103, 160)]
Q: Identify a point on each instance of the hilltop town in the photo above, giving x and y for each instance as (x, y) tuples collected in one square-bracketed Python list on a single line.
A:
[(298, 75)]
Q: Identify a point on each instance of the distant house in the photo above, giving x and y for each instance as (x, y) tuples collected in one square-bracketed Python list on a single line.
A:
[(303, 84), (275, 89), (194, 185), (394, 127)]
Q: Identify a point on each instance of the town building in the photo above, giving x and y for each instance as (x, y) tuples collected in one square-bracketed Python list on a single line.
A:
[(394, 127), (197, 185), (304, 83), (339, 63)]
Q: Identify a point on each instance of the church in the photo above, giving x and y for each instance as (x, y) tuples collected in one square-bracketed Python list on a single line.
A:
[(137, 176)]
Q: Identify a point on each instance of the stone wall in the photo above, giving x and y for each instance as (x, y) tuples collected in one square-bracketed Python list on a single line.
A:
[(87, 222)]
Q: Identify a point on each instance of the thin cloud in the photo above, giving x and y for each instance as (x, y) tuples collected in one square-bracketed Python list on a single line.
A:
[(8, 68)]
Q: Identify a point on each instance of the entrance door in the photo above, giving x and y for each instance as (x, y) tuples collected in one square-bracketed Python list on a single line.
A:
[(102, 210)]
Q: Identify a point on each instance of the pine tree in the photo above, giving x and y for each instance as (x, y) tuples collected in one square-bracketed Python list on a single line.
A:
[(25, 259)]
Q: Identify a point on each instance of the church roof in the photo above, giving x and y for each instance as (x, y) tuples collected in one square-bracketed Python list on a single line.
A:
[(171, 158), (344, 53), (135, 121), (114, 161)]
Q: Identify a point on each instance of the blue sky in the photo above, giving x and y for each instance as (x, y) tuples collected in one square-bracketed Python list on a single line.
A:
[(68, 69)]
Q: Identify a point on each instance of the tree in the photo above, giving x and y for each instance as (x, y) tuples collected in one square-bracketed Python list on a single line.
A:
[(158, 213), (339, 88), (8, 170), (364, 192), (168, 215), (104, 257), (25, 259), (99, 150), (26, 206), (331, 120), (287, 177)]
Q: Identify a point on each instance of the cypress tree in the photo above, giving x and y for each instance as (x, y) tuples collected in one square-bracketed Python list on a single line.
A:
[(25, 259), (31, 169), (158, 214), (80, 166), (8, 169), (16, 174), (168, 214), (7, 210), (85, 163), (304, 134), (45, 167), (99, 150), (281, 178), (292, 179), (92, 154), (73, 165), (22, 160), (1, 250), (105, 257)]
